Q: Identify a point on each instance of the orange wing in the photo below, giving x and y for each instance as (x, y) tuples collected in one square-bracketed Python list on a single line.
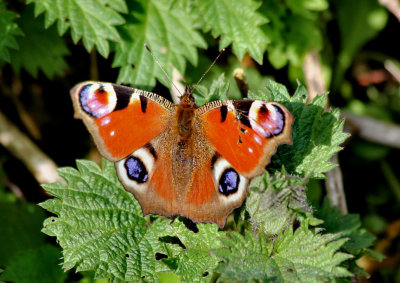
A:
[(120, 119), (246, 132)]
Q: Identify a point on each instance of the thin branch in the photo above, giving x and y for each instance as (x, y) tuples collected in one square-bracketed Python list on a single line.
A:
[(373, 130), (393, 6), (36, 161), (241, 81), (312, 68)]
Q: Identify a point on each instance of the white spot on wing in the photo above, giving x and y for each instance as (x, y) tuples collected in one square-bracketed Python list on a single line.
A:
[(112, 133)]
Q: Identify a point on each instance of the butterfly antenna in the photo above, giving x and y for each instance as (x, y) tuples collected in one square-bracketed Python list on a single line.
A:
[(161, 67), (212, 64)]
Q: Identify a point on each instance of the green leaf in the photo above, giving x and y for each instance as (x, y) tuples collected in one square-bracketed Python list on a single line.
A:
[(237, 23), (99, 225), (195, 262), (300, 256), (218, 91), (34, 53), (294, 29), (93, 21), (276, 201), (170, 35), (348, 225), (35, 265), (8, 31), (317, 134)]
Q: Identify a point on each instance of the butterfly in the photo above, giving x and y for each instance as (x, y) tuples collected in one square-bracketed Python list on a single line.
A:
[(182, 159)]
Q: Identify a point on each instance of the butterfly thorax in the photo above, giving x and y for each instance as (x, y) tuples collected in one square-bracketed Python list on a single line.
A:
[(185, 114)]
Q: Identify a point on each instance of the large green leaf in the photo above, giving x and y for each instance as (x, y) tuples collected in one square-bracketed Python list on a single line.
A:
[(300, 256), (237, 23), (93, 21), (169, 33), (34, 53)]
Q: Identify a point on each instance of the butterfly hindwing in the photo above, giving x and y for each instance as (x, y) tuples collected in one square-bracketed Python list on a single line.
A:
[(120, 119)]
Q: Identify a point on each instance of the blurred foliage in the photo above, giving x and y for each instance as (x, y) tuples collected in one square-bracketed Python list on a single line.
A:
[(48, 46)]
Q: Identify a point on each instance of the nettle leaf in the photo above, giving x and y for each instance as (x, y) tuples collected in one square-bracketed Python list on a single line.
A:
[(170, 35), (9, 30), (300, 256), (194, 262), (349, 226), (275, 200), (317, 134), (100, 227), (93, 21), (34, 53), (237, 23), (218, 91)]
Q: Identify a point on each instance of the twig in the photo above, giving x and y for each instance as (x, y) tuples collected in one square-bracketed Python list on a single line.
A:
[(315, 84), (241, 81), (393, 6), (313, 74), (373, 130), (37, 162)]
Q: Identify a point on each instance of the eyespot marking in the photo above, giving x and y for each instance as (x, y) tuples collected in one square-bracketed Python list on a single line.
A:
[(136, 170), (229, 182), (97, 100)]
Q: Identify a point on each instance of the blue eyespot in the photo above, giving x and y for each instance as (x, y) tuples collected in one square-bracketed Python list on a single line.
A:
[(136, 170), (229, 182)]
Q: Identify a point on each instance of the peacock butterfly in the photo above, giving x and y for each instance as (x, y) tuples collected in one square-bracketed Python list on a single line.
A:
[(182, 159)]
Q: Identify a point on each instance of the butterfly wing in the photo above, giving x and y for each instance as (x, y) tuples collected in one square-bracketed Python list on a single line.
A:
[(246, 132), (120, 119)]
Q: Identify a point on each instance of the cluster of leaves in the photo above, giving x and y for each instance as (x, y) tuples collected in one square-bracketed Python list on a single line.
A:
[(100, 226), (174, 30)]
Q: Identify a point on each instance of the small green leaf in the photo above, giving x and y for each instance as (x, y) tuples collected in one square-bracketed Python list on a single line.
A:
[(34, 53), (274, 207), (237, 23), (218, 91), (9, 30), (170, 35), (89, 20)]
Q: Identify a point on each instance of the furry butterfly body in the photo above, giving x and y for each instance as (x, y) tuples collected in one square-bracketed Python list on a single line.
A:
[(182, 159)]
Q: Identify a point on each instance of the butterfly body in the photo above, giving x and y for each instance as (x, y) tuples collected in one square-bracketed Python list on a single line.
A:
[(182, 159)]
